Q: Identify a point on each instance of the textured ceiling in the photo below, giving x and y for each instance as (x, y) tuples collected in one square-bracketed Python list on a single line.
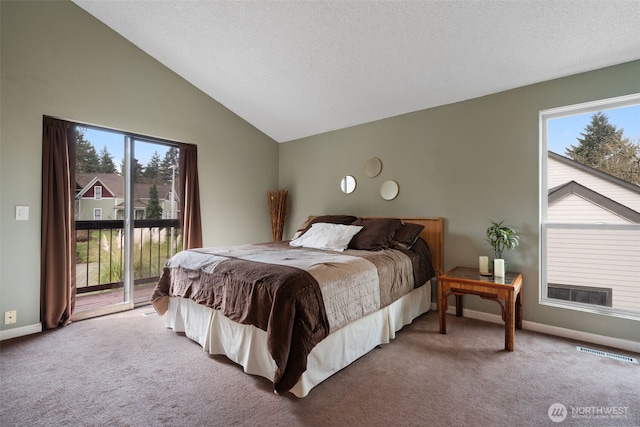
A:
[(295, 69)]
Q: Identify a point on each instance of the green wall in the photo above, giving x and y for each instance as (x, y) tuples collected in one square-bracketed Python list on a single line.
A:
[(58, 60), (468, 162)]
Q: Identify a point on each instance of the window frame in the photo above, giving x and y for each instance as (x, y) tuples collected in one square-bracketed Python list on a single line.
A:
[(544, 225), (97, 192)]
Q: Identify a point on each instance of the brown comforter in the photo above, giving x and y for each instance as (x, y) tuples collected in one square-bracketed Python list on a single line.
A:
[(298, 296)]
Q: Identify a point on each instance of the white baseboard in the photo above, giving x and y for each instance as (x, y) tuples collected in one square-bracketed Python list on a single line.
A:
[(20, 332), (552, 330)]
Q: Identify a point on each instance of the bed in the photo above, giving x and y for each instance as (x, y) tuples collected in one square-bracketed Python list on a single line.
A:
[(296, 312)]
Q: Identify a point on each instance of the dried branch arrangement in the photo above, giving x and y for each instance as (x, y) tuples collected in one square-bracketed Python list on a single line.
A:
[(278, 211)]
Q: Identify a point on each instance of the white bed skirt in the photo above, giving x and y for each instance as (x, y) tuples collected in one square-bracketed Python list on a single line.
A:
[(247, 345)]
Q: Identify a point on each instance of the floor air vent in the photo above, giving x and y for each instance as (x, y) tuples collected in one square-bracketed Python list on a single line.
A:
[(607, 354)]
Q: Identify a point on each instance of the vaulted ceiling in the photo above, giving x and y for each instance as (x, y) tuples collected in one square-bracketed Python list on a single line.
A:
[(299, 68)]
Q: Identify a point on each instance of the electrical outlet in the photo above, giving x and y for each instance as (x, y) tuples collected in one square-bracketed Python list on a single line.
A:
[(10, 317)]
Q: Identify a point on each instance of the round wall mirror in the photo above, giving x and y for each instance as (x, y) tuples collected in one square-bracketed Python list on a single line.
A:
[(389, 189), (348, 184), (372, 167)]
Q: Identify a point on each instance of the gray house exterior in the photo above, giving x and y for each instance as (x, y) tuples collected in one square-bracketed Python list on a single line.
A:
[(595, 265)]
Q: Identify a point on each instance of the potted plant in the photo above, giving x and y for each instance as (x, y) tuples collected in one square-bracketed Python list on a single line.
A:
[(501, 237)]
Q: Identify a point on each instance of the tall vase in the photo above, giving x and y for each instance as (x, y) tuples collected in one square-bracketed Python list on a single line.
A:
[(498, 267), (278, 212)]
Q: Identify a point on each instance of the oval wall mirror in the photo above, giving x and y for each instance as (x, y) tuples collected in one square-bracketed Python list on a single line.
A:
[(348, 184), (372, 167), (389, 189)]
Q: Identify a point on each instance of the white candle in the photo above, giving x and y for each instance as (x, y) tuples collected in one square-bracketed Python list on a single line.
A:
[(484, 264), (498, 267)]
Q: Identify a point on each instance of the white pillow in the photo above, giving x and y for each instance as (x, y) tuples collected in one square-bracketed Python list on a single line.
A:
[(322, 235)]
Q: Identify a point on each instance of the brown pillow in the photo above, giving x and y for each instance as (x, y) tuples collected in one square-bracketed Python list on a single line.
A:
[(407, 235), (376, 234), (331, 219)]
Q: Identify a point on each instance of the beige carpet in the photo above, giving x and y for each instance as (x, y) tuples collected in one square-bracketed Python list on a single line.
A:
[(129, 370)]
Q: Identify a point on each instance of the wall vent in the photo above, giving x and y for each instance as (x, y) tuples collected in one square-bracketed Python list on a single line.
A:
[(607, 354)]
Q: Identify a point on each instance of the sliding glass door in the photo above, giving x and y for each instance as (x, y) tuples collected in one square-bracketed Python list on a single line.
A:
[(125, 217)]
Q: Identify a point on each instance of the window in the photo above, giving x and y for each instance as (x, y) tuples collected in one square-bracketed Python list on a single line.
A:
[(97, 214), (590, 207), (97, 192)]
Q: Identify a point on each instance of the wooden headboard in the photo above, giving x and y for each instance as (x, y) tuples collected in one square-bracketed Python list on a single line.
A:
[(433, 234)]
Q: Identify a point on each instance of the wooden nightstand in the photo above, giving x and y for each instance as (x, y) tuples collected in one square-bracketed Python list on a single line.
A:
[(464, 280)]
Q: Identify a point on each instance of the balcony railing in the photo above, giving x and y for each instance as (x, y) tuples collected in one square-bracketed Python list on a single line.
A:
[(100, 252)]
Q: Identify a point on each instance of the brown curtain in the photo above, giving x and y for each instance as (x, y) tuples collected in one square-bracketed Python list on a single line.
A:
[(57, 248), (191, 222)]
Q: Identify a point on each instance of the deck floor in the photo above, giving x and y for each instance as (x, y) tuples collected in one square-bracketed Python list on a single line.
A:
[(90, 301)]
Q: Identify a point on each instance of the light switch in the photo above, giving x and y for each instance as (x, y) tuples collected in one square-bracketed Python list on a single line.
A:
[(22, 213)]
